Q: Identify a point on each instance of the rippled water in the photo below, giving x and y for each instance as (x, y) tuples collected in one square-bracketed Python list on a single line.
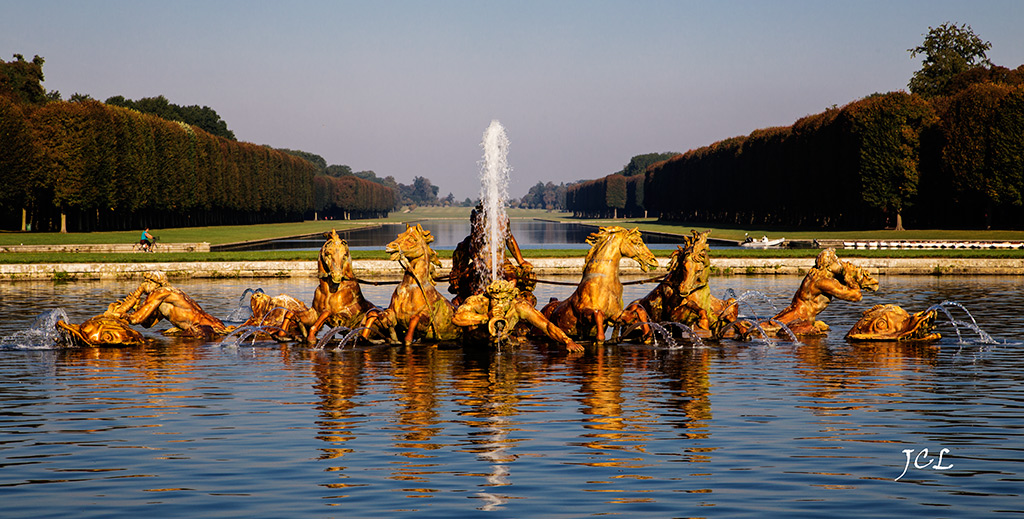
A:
[(732, 429), (530, 234)]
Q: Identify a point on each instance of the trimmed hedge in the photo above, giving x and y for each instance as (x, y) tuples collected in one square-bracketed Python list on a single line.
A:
[(109, 168)]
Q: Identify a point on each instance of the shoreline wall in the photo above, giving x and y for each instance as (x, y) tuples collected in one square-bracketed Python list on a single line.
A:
[(390, 270)]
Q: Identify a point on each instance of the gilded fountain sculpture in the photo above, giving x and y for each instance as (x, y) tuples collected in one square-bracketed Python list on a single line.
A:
[(493, 299)]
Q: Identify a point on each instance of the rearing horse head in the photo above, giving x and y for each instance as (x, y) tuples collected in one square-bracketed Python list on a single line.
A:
[(694, 248), (629, 242), (412, 245), (260, 303), (698, 242), (335, 261)]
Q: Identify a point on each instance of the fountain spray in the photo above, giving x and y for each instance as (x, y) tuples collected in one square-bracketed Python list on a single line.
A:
[(494, 174)]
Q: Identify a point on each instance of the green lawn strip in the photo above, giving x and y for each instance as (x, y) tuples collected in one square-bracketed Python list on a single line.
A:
[(241, 233), (88, 257), (212, 235)]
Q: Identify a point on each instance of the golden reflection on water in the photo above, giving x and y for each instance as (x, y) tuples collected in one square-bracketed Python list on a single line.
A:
[(624, 395), (488, 390), (837, 377), (140, 369)]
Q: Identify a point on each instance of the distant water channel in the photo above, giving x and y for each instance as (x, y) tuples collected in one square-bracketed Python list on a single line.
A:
[(530, 234), (757, 429)]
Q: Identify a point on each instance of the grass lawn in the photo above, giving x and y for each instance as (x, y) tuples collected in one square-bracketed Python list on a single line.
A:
[(730, 233), (239, 233)]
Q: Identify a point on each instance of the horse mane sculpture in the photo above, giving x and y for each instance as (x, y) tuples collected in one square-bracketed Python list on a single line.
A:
[(684, 296), (417, 309), (597, 301), (338, 300)]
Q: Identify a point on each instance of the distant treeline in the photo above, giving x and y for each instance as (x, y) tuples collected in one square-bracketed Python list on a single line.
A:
[(949, 161), (613, 196), (350, 197), (90, 166), (620, 194)]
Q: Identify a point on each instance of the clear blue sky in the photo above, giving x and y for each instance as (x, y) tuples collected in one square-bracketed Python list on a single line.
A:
[(406, 88)]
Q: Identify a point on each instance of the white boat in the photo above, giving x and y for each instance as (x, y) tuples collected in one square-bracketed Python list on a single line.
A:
[(763, 243)]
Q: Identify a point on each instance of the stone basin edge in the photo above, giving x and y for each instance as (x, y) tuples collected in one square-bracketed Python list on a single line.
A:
[(387, 269)]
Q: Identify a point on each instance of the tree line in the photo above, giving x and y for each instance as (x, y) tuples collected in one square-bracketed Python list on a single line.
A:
[(83, 165), (203, 117), (955, 141), (620, 194)]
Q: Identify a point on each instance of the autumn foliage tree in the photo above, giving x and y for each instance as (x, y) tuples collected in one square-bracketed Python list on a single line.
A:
[(113, 168), (983, 155), (889, 128)]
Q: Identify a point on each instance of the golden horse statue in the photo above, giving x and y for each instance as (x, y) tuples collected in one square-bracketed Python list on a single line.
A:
[(684, 295), (417, 309), (597, 301), (338, 300), (829, 278)]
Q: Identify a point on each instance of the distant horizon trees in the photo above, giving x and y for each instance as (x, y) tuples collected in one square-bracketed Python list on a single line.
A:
[(544, 196)]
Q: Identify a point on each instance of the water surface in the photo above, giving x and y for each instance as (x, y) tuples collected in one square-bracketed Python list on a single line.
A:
[(529, 234), (756, 429)]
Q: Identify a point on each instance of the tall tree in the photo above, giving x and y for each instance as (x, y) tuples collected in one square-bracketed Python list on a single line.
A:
[(639, 163), (948, 50), (23, 80), (317, 160), (423, 191), (17, 154), (338, 170), (889, 127), (204, 118)]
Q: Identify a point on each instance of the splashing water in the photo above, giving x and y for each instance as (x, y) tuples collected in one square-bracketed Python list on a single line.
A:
[(41, 334), (686, 329), (742, 299), (656, 329), (243, 312), (240, 335), (330, 335), (983, 337), (494, 174)]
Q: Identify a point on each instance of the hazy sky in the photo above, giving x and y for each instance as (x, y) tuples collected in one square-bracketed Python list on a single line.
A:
[(407, 88)]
